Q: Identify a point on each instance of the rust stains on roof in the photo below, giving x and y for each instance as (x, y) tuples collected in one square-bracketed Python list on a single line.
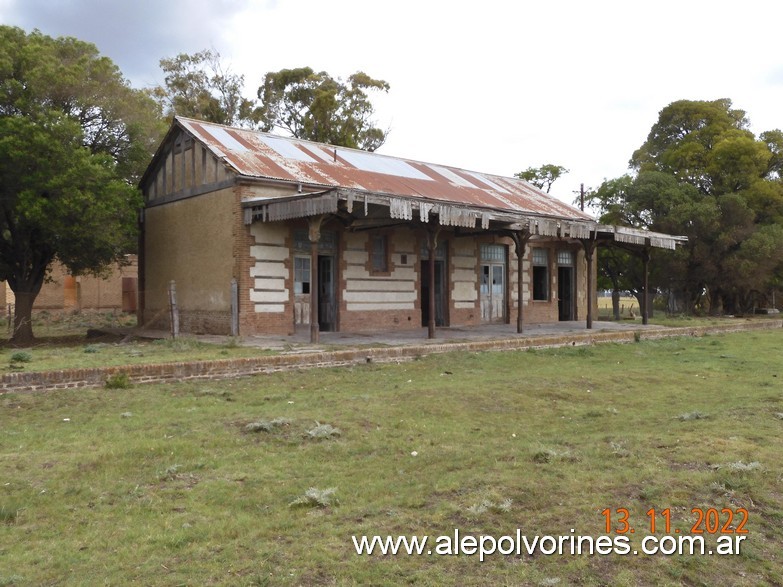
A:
[(254, 154)]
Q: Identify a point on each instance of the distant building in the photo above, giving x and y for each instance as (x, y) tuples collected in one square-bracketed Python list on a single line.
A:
[(65, 292)]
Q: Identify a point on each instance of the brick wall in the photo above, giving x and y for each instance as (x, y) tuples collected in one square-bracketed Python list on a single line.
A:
[(229, 368), (63, 291)]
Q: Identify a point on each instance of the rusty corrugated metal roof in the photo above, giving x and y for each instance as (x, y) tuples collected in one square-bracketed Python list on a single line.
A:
[(262, 155)]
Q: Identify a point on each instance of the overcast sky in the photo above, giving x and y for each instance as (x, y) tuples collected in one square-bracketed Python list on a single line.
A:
[(492, 85)]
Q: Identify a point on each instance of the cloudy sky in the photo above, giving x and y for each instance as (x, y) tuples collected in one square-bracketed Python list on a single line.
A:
[(491, 85)]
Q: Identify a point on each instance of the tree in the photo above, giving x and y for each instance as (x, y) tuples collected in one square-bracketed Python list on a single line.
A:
[(73, 136), (318, 107), (200, 86), (774, 142), (703, 174), (650, 200), (39, 73), (543, 177)]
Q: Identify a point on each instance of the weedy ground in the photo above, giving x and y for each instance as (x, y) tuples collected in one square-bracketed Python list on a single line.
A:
[(228, 483), (62, 343)]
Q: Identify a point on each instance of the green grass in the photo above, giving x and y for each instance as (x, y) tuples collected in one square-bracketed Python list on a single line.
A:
[(168, 485), (64, 324), (660, 318), (83, 354), (61, 343)]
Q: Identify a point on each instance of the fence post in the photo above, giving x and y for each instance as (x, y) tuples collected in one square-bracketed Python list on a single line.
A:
[(174, 310), (234, 307)]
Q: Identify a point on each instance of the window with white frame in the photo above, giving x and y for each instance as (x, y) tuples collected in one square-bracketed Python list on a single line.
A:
[(301, 275)]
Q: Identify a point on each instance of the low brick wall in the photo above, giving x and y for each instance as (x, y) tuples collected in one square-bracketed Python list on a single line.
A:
[(230, 368)]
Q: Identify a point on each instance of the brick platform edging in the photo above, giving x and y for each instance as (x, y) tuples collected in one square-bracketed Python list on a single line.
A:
[(230, 368)]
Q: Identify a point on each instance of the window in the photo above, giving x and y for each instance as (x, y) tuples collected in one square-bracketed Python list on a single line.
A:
[(301, 240), (327, 244), (540, 274), (565, 258), (440, 250), (495, 253), (379, 254), (301, 275)]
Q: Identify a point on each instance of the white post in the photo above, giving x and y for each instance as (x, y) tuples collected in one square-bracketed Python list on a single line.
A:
[(234, 307)]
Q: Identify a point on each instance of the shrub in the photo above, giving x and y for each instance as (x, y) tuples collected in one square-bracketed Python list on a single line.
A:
[(8, 514), (21, 357), (503, 506), (323, 431), (169, 473), (267, 425), (118, 381), (692, 416), (742, 466), (549, 455), (313, 497)]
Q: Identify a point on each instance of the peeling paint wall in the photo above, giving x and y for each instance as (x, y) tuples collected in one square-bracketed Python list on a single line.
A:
[(271, 273)]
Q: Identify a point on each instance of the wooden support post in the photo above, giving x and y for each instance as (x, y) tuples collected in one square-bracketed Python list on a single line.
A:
[(234, 307), (432, 243), (590, 246), (520, 241), (314, 234), (646, 285), (173, 309)]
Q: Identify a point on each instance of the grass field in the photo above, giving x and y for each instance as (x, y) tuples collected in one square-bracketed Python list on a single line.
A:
[(264, 480), (82, 353), (62, 344)]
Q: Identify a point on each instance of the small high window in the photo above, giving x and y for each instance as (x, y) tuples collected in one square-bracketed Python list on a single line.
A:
[(493, 253), (565, 258)]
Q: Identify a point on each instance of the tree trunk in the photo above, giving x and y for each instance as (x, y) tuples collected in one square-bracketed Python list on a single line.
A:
[(716, 298), (616, 303), (23, 312)]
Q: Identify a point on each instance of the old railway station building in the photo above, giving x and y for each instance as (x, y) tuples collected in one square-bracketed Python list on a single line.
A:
[(262, 234)]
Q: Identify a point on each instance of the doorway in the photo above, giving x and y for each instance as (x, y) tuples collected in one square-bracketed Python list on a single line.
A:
[(565, 286), (440, 288), (493, 284), (327, 306)]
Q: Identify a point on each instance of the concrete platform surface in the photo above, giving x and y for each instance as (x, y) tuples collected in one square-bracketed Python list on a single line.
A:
[(300, 342)]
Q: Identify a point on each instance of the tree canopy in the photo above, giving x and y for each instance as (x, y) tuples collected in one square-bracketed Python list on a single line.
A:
[(543, 177), (305, 104), (74, 137), (318, 107), (200, 86), (703, 174)]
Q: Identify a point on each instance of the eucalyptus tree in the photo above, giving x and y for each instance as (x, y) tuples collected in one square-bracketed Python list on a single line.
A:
[(318, 107)]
